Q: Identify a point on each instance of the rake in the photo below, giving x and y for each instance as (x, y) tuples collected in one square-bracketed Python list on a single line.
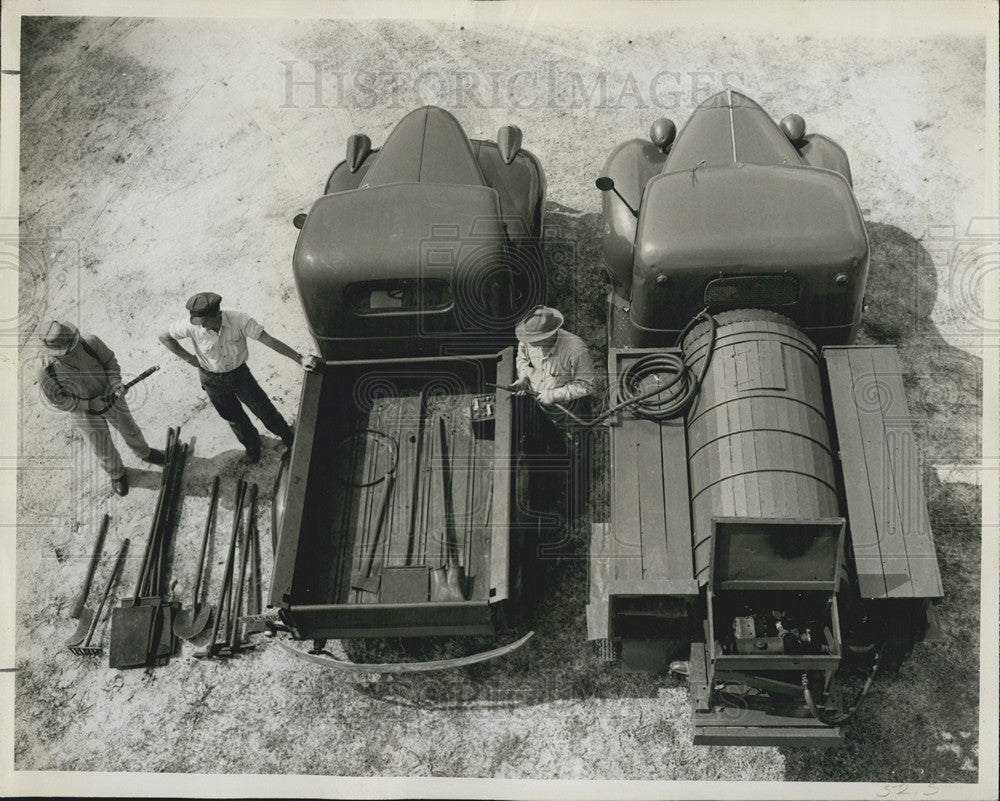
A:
[(97, 650)]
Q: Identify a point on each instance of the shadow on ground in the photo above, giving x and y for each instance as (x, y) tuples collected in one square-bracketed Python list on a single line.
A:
[(921, 725)]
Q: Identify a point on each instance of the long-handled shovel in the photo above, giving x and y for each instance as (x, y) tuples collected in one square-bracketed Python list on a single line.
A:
[(447, 581), (79, 611), (96, 650), (255, 605), (236, 643), (189, 623), (211, 649), (136, 625)]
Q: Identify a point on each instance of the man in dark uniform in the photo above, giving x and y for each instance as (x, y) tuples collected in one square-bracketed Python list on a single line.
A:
[(81, 376), (219, 339)]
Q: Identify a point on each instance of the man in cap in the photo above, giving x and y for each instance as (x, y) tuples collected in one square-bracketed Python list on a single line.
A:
[(555, 366), (81, 376), (219, 339)]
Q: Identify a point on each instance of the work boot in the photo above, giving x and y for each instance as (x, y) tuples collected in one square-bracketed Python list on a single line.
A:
[(253, 455), (155, 457), (120, 484)]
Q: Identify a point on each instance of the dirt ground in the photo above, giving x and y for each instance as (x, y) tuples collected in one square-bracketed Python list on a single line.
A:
[(160, 157)]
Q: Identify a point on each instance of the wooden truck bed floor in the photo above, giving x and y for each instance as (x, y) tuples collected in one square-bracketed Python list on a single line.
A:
[(432, 510)]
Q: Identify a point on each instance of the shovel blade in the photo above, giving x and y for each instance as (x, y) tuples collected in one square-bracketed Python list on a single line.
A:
[(132, 634), (202, 638), (455, 582), (82, 627), (359, 581), (445, 585), (167, 644), (189, 623)]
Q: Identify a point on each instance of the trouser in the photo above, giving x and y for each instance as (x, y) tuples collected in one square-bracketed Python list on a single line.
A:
[(95, 429), (547, 431), (229, 391)]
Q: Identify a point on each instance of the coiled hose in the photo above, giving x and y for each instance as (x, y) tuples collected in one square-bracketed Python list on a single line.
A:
[(673, 388)]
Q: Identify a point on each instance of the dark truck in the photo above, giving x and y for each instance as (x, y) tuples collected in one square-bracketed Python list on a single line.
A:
[(393, 515), (768, 533)]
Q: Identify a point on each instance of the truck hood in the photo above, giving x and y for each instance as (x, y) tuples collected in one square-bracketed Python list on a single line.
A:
[(427, 146), (728, 128)]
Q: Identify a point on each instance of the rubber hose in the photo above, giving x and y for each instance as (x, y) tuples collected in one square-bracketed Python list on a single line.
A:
[(679, 386), (839, 718)]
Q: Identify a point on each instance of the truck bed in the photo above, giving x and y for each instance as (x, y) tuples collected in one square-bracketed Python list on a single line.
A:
[(434, 510), (390, 480)]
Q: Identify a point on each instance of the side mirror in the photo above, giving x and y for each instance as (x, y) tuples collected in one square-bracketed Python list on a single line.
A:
[(794, 127), (358, 148), (606, 184), (299, 220), (509, 142), (662, 134)]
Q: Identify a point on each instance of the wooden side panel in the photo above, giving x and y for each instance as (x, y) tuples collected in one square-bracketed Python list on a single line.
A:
[(649, 478), (625, 551), (494, 561), (677, 501), (867, 395), (886, 506), (291, 524), (650, 538), (904, 474), (857, 491)]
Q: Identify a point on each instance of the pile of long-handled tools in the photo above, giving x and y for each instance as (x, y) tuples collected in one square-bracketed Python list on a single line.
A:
[(141, 627), (147, 626), (229, 632)]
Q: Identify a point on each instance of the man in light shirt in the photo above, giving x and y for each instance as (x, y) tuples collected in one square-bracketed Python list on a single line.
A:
[(219, 339), (552, 362), (555, 366)]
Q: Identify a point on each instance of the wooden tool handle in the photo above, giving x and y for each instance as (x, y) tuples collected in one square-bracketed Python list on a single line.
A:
[(95, 557), (227, 575), (112, 579), (209, 519)]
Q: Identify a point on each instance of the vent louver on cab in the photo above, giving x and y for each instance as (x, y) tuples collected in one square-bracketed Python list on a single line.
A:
[(756, 291)]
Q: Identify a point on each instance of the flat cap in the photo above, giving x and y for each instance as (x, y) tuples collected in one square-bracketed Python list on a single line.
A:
[(60, 336), (202, 305)]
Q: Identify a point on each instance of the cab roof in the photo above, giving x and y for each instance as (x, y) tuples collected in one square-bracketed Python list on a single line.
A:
[(748, 216), (730, 128), (396, 231)]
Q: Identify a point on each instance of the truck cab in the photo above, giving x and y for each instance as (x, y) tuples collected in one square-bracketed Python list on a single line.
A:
[(734, 212)]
